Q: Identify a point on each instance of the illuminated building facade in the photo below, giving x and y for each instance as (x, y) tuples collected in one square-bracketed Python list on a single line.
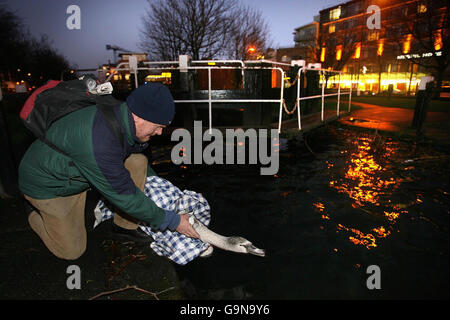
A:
[(385, 47)]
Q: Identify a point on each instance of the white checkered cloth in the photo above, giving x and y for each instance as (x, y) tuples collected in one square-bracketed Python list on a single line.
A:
[(176, 246)]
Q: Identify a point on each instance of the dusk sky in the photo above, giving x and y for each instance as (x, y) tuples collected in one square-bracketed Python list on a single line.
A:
[(119, 22)]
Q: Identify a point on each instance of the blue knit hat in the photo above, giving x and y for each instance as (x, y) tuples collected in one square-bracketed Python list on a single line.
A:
[(152, 102)]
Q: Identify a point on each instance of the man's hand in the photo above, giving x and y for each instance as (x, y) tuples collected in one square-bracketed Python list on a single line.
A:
[(185, 227)]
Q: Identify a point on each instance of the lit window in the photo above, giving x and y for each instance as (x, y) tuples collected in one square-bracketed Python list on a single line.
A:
[(332, 28), (421, 8), (380, 48), (322, 54), (438, 40), (358, 51), (407, 44), (373, 35), (338, 52), (335, 13)]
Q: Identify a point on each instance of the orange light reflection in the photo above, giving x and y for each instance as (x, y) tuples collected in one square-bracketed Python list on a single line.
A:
[(363, 182), (367, 240)]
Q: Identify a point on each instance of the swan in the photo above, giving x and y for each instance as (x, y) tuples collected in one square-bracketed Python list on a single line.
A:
[(233, 243)]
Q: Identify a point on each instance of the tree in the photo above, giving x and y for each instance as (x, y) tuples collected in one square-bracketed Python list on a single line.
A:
[(202, 29), (428, 33), (13, 43), (45, 61), (250, 31), (22, 57)]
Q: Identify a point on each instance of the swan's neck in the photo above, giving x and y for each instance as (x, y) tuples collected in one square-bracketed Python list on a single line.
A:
[(209, 236), (215, 239)]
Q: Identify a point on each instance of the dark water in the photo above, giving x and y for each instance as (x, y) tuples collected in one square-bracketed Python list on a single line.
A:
[(344, 200)]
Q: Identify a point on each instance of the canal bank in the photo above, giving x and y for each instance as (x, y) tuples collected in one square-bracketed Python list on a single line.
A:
[(398, 121)]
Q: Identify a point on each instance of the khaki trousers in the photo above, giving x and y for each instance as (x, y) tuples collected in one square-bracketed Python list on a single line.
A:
[(60, 221)]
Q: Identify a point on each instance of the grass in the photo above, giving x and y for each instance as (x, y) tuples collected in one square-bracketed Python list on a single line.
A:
[(402, 102)]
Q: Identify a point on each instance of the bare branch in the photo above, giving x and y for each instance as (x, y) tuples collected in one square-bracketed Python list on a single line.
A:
[(203, 29), (107, 293)]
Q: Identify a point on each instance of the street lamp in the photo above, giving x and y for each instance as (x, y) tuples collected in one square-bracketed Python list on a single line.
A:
[(251, 50)]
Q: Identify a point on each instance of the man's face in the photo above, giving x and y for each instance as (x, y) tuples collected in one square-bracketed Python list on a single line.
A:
[(145, 129)]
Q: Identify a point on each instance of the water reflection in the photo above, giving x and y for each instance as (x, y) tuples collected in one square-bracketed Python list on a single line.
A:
[(367, 181), (362, 180), (319, 207)]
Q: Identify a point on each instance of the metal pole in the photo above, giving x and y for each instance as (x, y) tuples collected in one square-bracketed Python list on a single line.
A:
[(281, 99), (229, 100), (209, 101), (298, 98), (323, 92), (318, 96), (339, 94), (350, 96), (135, 79)]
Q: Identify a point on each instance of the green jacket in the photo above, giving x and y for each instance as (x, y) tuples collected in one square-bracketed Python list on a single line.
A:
[(96, 160)]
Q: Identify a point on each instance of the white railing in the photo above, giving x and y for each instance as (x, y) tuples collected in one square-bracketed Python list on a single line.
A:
[(322, 95), (212, 65), (210, 100)]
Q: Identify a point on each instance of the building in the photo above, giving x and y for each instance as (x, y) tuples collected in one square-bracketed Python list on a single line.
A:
[(307, 35), (306, 43), (306, 39), (386, 47)]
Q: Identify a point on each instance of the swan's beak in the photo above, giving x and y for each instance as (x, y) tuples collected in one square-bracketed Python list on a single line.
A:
[(251, 249)]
